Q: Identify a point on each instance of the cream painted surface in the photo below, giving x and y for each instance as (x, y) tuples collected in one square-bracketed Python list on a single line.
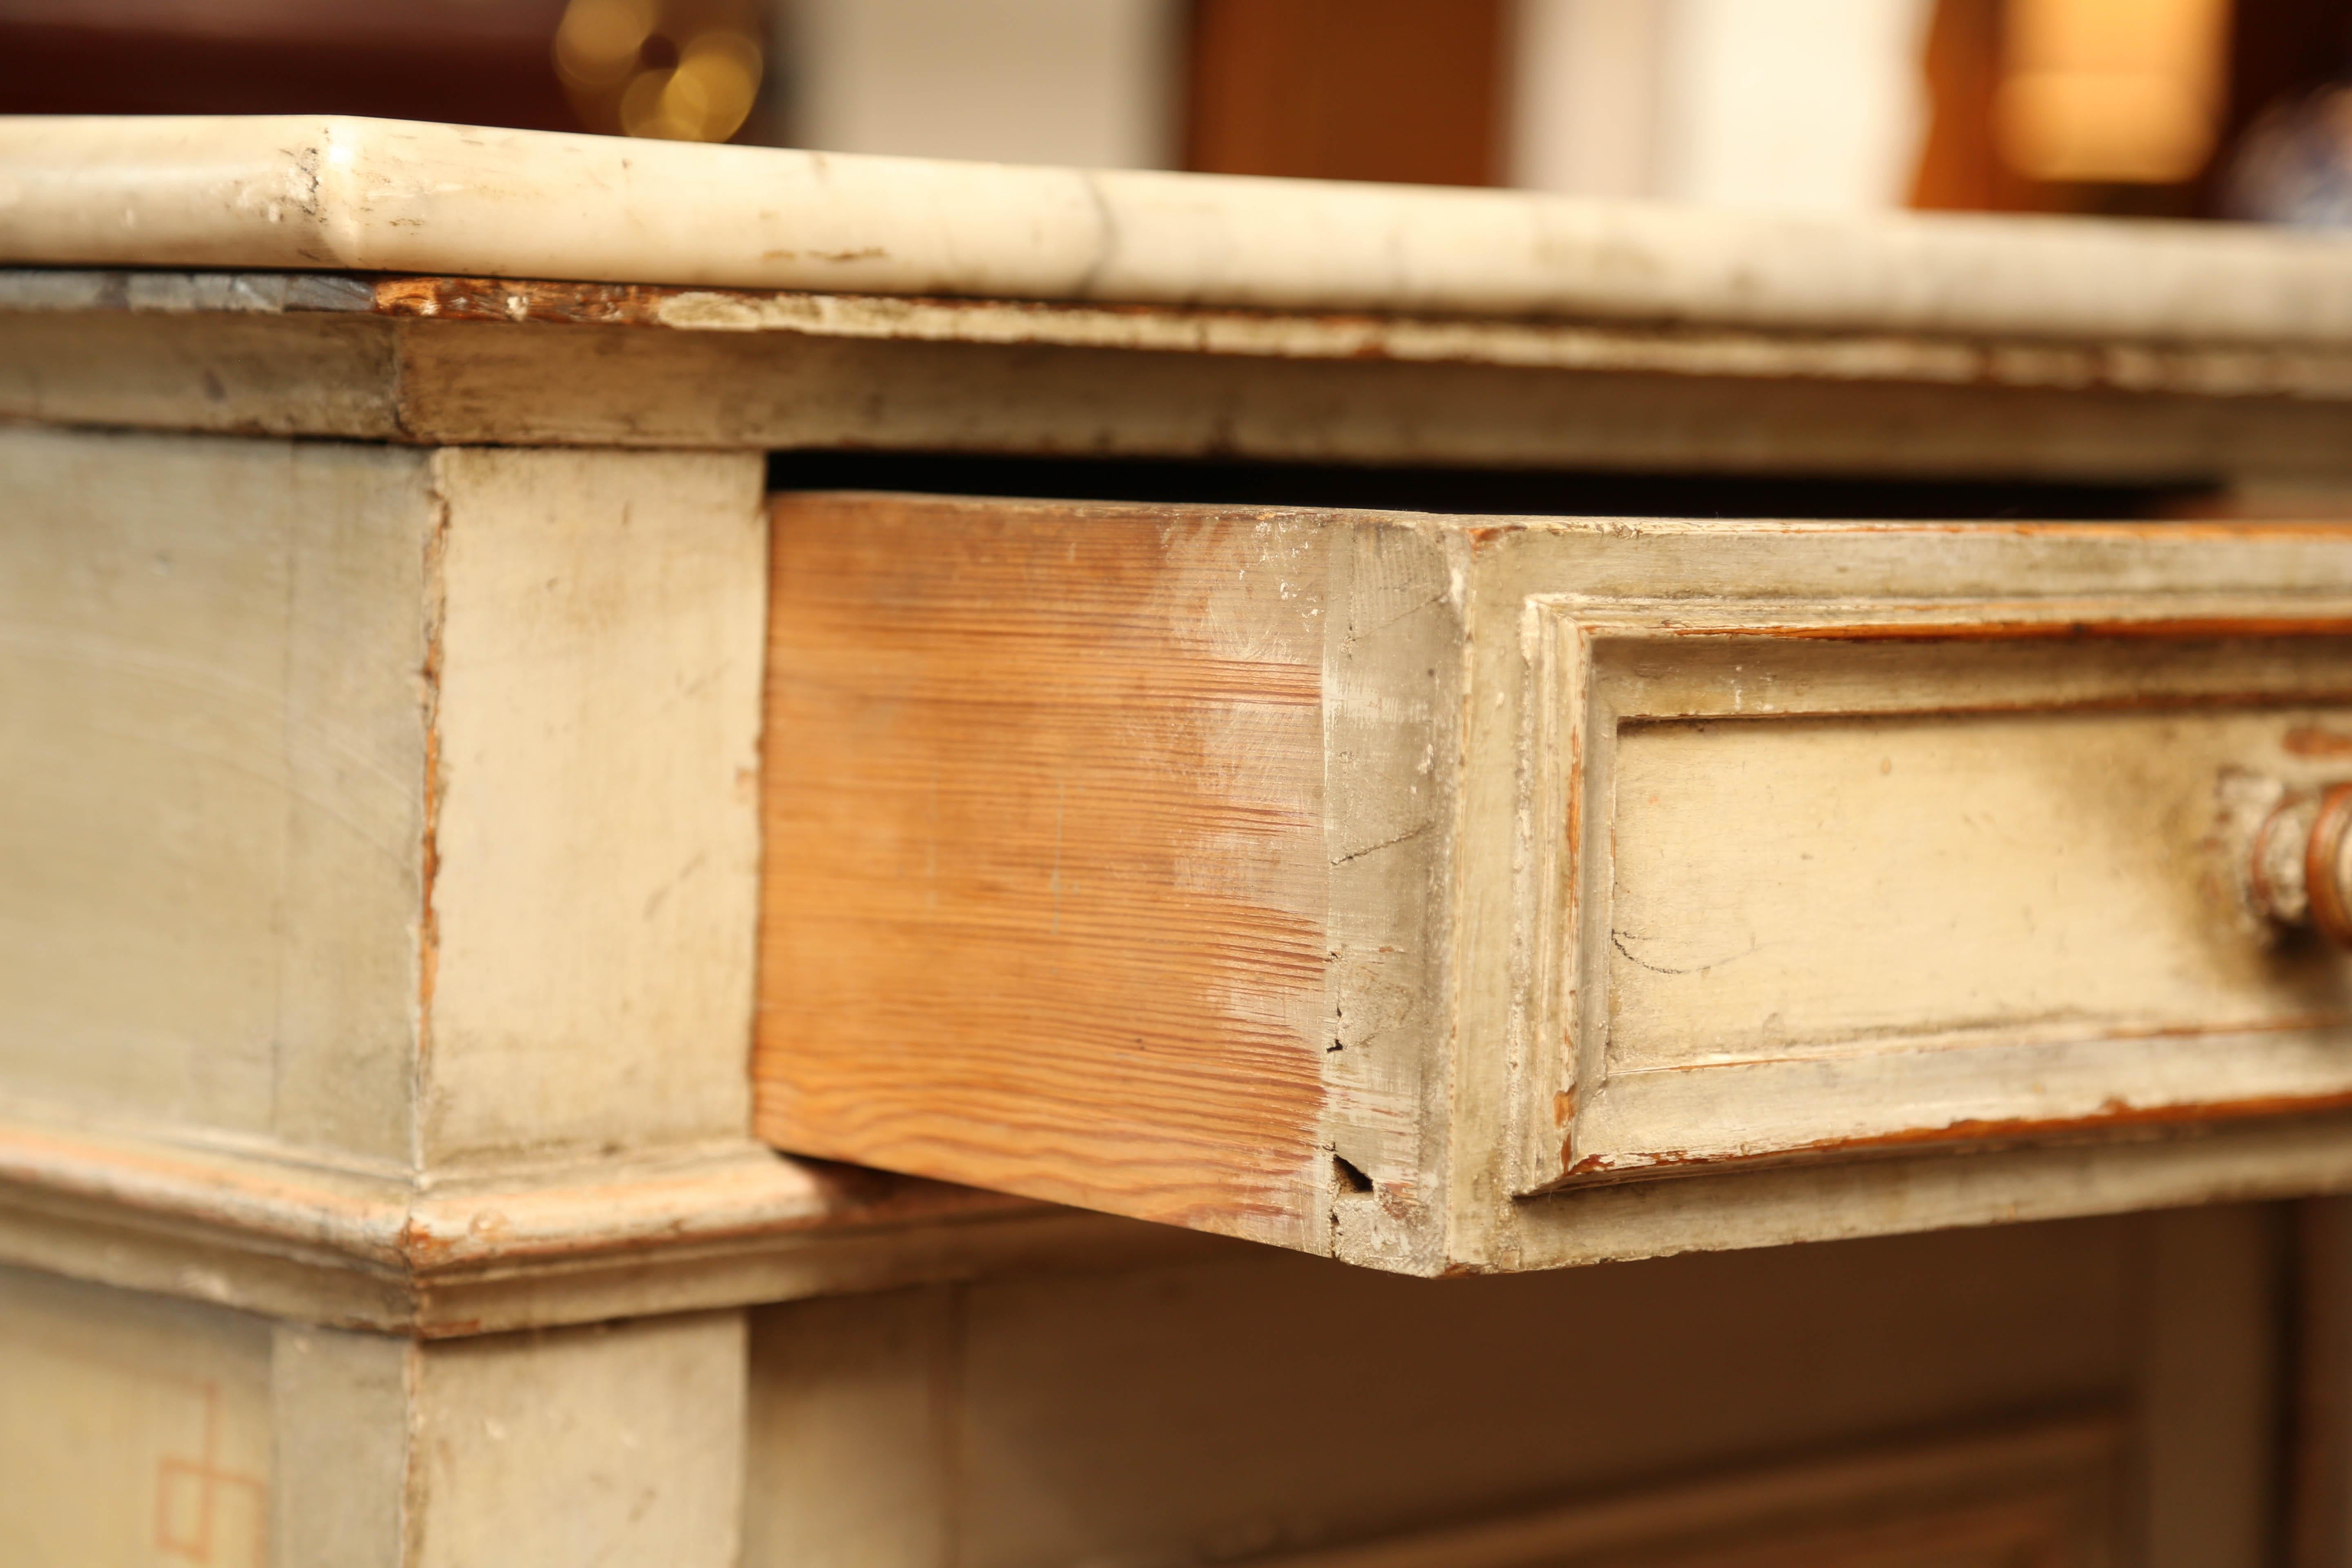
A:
[(620, 1444), (611, 1445), (134, 1433), (1815, 888), (219, 667), (384, 196), (1393, 698), (1871, 599), (599, 646), (341, 1439), (211, 742), (1832, 929)]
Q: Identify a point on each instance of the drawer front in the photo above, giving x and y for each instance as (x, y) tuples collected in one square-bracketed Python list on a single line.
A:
[(1913, 874)]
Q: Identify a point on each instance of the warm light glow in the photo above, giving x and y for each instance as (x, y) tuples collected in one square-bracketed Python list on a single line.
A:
[(599, 41), (704, 99), (614, 58), (2127, 91)]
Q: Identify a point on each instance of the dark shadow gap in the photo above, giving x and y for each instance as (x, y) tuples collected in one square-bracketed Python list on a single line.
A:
[(1538, 492)]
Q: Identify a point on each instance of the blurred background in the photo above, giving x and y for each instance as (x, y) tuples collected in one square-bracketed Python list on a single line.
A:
[(2157, 107)]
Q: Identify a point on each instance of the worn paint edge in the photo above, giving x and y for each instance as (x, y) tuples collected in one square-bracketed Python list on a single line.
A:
[(2068, 364), (524, 1247)]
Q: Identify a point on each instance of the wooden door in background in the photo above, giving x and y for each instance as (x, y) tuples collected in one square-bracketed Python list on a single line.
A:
[(1348, 89)]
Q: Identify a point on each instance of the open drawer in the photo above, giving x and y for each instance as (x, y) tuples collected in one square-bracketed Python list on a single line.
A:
[(1467, 894)]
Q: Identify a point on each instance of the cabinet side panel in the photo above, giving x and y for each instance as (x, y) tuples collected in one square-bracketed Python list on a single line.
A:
[(212, 742), (1044, 899)]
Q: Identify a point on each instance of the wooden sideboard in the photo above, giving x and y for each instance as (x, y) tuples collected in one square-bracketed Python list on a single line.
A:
[(537, 672)]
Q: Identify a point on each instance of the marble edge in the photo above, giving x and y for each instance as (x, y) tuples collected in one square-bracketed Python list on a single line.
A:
[(350, 194)]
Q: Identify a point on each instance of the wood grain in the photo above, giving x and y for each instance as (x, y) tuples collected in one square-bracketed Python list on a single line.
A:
[(1043, 810)]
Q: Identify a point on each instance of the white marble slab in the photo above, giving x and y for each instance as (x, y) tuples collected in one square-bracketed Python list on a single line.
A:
[(385, 195)]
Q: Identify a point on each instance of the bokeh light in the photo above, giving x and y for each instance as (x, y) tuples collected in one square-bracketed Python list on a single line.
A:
[(680, 71)]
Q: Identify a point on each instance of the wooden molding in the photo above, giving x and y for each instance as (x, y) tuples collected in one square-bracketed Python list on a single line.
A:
[(361, 1248), (472, 361)]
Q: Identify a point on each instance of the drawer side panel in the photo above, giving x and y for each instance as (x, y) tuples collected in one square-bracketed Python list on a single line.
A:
[(1044, 903)]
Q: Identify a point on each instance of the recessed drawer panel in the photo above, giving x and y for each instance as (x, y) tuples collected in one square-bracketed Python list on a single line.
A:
[(1462, 894), (1968, 875)]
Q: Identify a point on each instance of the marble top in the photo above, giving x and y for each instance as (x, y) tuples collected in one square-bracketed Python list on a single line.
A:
[(337, 193)]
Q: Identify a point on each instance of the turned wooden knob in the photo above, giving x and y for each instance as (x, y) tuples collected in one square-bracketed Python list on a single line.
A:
[(2298, 874)]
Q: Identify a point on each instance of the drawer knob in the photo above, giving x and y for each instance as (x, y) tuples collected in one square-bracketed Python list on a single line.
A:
[(2299, 874)]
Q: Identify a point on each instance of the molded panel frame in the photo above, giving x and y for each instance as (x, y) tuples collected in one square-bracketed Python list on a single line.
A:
[(1599, 667)]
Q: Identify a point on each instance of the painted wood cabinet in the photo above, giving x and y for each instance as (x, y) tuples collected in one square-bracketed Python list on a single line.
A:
[(585, 974)]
